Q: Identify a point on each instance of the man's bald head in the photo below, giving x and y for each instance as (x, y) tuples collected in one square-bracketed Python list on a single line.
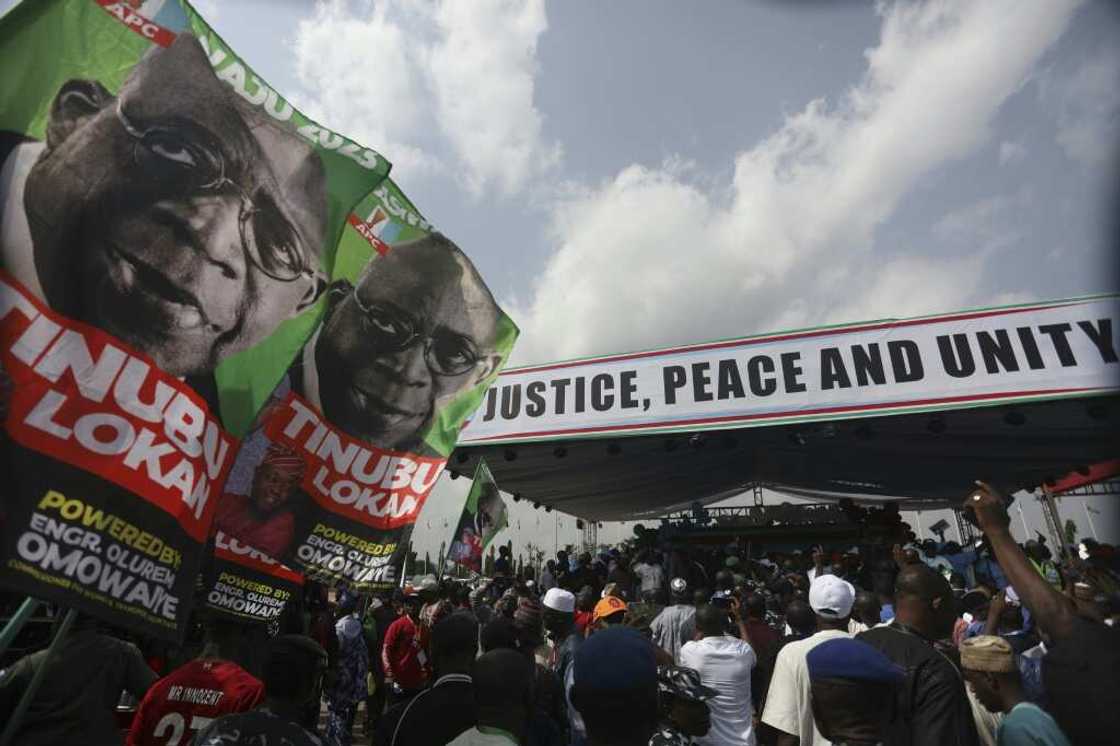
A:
[(443, 266), (924, 600), (418, 329), (921, 582)]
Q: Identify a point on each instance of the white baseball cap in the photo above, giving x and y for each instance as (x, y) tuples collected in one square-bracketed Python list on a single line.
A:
[(831, 597), (561, 600)]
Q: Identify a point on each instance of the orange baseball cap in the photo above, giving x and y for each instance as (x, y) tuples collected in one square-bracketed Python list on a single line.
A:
[(607, 605)]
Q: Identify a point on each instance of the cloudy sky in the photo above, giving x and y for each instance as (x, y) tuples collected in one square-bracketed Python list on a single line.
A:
[(643, 173)]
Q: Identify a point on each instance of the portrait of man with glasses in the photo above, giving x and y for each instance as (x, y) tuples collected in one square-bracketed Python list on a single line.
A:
[(175, 215), (417, 329)]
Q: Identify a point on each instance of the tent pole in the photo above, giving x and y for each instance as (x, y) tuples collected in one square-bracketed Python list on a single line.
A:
[(1023, 518), (1089, 518), (36, 680), (1053, 520), (16, 623)]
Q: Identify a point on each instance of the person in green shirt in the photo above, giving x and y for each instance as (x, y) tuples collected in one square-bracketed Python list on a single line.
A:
[(1043, 564), (989, 668)]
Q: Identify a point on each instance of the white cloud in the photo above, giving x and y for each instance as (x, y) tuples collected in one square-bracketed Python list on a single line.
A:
[(1011, 152), (482, 72), (444, 87), (649, 258), (1088, 106), (911, 286)]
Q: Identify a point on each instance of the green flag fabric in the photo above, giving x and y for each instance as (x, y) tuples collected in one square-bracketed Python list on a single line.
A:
[(215, 312), (484, 515)]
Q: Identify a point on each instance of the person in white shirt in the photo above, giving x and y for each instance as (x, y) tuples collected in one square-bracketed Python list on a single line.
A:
[(548, 576), (650, 573), (725, 664), (819, 567), (788, 708), (676, 624)]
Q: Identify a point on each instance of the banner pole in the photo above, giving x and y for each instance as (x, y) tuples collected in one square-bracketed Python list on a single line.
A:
[(36, 680), (16, 623), (404, 563)]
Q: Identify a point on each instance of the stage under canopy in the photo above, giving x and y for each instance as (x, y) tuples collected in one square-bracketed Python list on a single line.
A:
[(925, 460), (911, 409)]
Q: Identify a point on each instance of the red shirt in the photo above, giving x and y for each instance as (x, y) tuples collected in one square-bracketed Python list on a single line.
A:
[(763, 637), (583, 618), (404, 654), (186, 700)]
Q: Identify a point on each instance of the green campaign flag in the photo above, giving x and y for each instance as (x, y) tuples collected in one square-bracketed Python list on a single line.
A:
[(187, 260), (484, 515)]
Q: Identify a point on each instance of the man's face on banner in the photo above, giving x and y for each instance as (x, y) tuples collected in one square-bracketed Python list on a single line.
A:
[(175, 215), (419, 329), (272, 486), (490, 500)]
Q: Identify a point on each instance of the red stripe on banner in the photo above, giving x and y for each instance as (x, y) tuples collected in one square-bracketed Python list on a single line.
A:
[(779, 338), (378, 487), (135, 21), (79, 395), (363, 227), (788, 413)]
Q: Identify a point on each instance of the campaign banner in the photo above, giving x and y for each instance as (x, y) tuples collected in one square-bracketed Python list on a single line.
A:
[(245, 583), (335, 469), (1039, 351), (484, 515), (169, 226)]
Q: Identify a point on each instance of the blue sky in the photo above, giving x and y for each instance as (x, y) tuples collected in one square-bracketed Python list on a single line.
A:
[(643, 173)]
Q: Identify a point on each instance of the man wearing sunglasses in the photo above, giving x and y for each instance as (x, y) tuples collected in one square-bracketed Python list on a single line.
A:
[(418, 329), (175, 215)]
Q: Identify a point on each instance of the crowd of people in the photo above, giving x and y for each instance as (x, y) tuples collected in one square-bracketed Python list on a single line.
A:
[(898, 644)]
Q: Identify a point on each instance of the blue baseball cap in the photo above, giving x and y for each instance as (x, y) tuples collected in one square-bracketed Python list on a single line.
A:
[(616, 659), (845, 658)]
